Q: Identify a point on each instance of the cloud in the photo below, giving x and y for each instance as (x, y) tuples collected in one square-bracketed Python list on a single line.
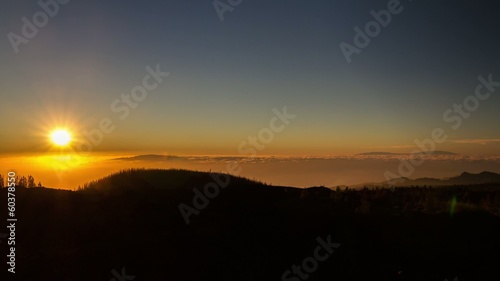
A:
[(149, 157), (204, 159), (402, 146), (476, 141)]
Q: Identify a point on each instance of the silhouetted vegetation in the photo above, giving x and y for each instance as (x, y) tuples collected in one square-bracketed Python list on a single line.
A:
[(21, 181), (253, 231)]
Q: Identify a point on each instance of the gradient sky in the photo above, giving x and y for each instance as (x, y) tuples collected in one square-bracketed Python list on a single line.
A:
[(226, 77)]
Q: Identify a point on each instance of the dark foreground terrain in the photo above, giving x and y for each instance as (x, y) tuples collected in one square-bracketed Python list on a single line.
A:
[(131, 223)]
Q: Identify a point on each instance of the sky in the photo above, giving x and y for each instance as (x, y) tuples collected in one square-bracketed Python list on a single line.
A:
[(226, 78), (72, 171)]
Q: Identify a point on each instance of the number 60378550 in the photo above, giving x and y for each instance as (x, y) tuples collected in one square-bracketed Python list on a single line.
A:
[(12, 179)]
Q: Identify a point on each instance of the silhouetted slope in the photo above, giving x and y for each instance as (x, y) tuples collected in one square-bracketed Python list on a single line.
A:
[(154, 178), (252, 231)]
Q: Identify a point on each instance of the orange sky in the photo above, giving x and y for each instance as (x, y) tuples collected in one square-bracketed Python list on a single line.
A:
[(70, 171)]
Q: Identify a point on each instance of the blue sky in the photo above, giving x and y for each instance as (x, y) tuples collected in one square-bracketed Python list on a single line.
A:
[(226, 77)]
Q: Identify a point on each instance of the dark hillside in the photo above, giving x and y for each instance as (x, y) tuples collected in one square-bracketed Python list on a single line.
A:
[(252, 231)]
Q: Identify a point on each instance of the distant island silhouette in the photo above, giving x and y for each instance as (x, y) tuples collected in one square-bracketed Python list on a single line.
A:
[(436, 152)]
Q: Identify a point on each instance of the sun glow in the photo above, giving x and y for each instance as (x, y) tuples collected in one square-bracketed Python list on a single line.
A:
[(60, 137)]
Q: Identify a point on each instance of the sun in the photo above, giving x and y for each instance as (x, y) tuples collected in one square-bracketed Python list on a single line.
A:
[(60, 137)]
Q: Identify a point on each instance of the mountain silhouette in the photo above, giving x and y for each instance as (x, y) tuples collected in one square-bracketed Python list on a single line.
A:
[(463, 179), (252, 231), (469, 178), (379, 153)]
